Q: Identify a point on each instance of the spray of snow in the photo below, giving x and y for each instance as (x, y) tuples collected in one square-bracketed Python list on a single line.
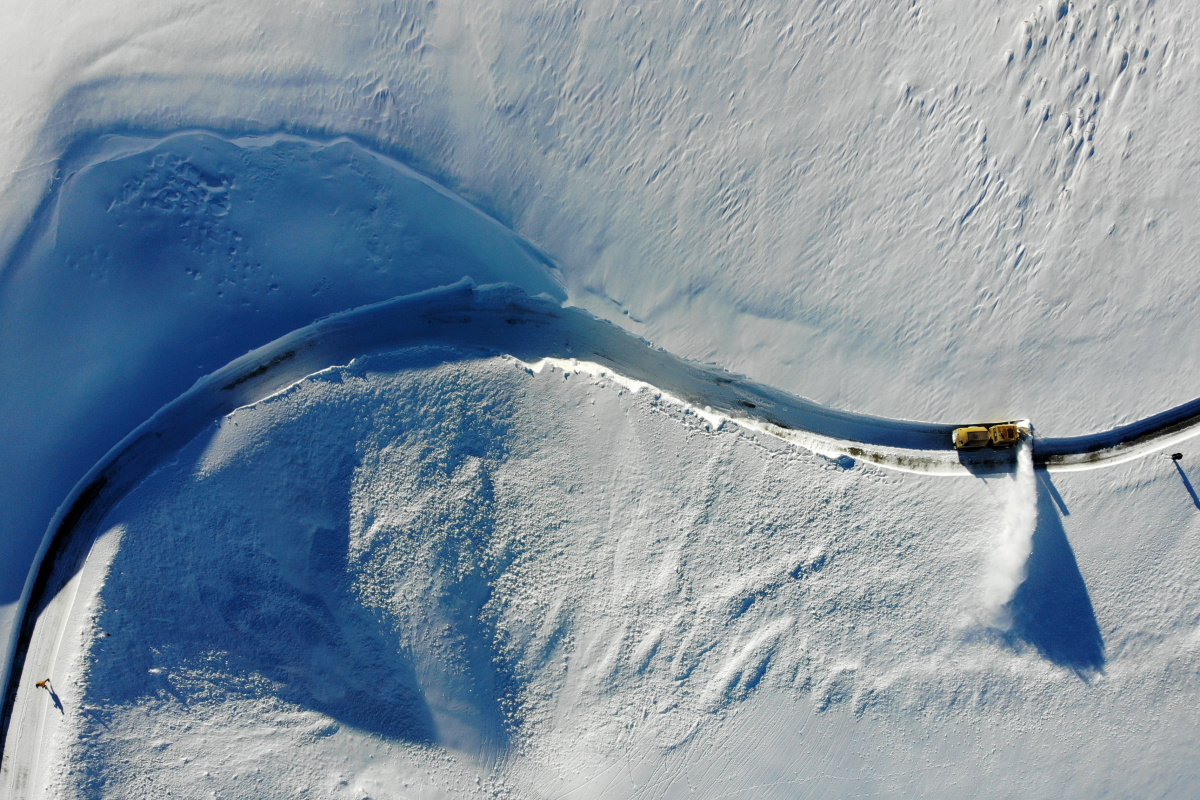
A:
[(1006, 569)]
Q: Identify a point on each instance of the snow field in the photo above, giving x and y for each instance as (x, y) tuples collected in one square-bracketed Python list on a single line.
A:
[(159, 260), (991, 204), (428, 574), (934, 210)]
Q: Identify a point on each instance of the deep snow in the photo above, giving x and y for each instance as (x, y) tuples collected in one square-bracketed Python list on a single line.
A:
[(432, 574), (933, 210), (991, 204)]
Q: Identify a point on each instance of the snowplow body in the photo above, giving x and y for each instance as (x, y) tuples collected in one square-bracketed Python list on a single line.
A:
[(971, 437), (1005, 434)]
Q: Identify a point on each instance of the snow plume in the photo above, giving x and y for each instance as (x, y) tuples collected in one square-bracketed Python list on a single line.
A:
[(1014, 541)]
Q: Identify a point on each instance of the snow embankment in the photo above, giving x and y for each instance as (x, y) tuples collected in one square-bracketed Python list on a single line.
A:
[(504, 320)]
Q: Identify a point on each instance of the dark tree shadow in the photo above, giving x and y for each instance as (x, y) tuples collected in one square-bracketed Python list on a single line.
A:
[(1052, 610)]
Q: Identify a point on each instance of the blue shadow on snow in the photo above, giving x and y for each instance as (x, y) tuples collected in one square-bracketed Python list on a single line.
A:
[(1052, 610), (1187, 484)]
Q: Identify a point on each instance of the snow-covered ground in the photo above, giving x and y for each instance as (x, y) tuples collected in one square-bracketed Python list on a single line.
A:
[(931, 210), (158, 262), (431, 574), (991, 204)]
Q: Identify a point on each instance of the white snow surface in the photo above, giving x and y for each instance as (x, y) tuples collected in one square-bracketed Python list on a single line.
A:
[(931, 210), (157, 261), (431, 574), (435, 573)]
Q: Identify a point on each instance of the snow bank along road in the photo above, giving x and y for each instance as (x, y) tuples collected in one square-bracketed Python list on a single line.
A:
[(538, 332)]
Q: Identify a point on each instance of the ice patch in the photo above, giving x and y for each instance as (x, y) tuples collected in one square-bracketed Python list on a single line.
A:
[(1007, 565)]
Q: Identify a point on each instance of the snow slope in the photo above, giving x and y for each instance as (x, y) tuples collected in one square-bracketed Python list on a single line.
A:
[(502, 320), (157, 261), (242, 239), (992, 204), (930, 210), (433, 573)]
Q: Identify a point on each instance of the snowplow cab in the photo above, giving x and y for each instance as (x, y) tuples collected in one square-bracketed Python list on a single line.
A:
[(971, 437), (1005, 435)]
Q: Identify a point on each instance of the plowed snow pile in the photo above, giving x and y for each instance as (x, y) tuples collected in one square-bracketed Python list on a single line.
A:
[(432, 574)]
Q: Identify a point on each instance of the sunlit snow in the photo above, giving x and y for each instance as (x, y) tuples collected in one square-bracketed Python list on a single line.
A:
[(324, 475)]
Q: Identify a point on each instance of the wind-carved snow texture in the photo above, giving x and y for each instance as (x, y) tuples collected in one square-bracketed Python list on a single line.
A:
[(247, 238), (1014, 540), (989, 203), (432, 574)]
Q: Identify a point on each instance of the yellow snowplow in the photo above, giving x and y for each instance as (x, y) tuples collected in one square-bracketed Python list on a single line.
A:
[(1006, 434), (971, 437)]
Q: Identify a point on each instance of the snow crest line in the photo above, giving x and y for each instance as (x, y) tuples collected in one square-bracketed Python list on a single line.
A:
[(828, 447)]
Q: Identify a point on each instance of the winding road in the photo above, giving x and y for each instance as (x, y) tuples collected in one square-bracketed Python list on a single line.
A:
[(490, 320)]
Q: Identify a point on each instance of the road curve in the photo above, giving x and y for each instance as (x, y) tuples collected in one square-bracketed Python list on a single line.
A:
[(492, 320)]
